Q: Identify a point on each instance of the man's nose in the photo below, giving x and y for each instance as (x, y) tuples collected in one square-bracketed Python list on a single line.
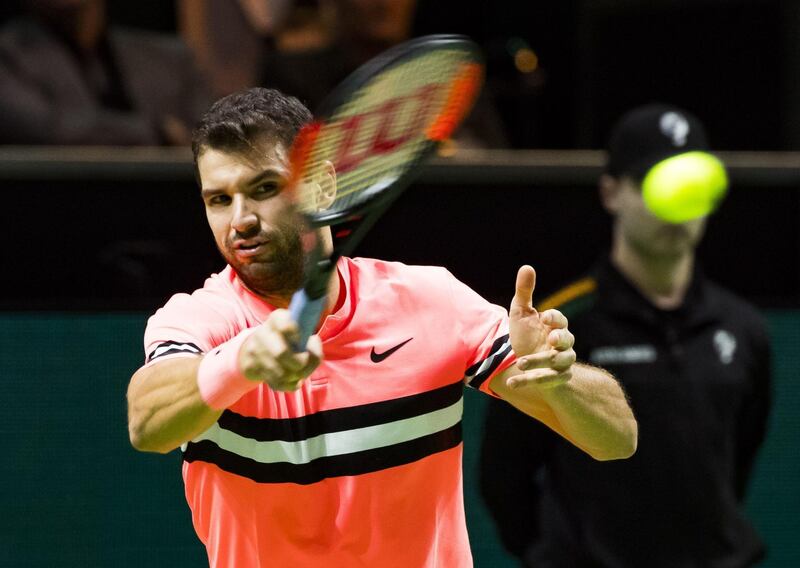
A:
[(244, 218)]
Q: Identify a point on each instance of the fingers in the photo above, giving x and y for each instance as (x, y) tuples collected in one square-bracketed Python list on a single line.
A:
[(313, 354), (550, 359), (550, 367), (539, 378), (526, 282), (278, 346), (268, 356), (561, 339), (554, 319)]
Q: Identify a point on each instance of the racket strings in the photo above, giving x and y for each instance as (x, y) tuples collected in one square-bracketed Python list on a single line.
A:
[(389, 125)]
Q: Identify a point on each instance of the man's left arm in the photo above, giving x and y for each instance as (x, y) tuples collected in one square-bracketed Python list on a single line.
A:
[(584, 404)]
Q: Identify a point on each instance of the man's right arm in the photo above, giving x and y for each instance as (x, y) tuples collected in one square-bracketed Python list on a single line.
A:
[(165, 408), (172, 401)]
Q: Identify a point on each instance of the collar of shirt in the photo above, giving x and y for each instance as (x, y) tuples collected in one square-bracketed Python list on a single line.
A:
[(619, 296), (333, 323)]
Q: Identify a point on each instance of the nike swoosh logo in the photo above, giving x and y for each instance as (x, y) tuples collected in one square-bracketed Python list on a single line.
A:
[(378, 357)]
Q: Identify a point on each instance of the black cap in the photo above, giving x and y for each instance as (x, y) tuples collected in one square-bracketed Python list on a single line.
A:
[(649, 134)]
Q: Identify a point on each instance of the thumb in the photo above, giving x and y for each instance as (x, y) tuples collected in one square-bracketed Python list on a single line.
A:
[(313, 354), (526, 282)]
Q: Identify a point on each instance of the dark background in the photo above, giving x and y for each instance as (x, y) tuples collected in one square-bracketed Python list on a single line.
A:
[(91, 246), (734, 63), (123, 244)]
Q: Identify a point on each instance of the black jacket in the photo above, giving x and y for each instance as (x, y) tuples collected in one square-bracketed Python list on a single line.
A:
[(698, 380)]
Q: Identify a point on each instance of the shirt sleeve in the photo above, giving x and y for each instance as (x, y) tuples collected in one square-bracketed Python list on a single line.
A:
[(483, 330), (187, 326)]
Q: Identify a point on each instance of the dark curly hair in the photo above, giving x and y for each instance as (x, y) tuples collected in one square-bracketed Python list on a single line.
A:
[(235, 122)]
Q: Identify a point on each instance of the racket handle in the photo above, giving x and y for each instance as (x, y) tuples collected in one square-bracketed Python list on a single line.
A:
[(306, 312)]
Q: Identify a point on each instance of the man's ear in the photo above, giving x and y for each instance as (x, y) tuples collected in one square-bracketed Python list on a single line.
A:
[(609, 189), (327, 185)]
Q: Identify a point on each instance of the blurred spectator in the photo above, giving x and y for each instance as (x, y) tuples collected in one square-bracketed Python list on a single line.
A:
[(230, 38), (68, 77), (325, 41), (695, 363)]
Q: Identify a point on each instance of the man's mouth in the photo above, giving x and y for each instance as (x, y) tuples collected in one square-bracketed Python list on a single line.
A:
[(250, 247)]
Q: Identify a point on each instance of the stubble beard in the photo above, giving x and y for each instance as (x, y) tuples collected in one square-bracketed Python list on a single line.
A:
[(281, 275)]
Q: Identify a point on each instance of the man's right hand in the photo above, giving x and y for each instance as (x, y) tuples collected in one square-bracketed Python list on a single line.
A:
[(267, 355)]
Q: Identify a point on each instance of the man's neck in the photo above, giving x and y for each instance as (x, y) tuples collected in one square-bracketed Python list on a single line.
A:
[(663, 280), (334, 300)]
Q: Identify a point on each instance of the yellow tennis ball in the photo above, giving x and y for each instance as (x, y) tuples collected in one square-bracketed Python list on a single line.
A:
[(685, 187)]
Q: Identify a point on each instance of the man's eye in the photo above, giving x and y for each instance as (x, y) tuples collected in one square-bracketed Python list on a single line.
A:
[(266, 189), (219, 200)]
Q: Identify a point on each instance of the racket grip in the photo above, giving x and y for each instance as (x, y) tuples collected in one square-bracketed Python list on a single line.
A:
[(306, 312)]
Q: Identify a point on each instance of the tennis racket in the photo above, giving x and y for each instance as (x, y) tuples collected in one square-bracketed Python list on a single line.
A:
[(373, 131)]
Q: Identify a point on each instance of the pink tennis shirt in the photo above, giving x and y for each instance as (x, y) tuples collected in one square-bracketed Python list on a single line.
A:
[(361, 466)]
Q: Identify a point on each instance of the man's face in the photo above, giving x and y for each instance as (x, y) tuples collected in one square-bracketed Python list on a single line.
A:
[(643, 231), (253, 223)]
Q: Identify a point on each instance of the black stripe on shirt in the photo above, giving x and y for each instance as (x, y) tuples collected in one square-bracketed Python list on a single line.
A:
[(341, 419), (356, 463), (174, 347), (498, 354)]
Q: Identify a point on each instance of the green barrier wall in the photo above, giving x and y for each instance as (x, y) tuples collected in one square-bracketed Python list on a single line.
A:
[(74, 493)]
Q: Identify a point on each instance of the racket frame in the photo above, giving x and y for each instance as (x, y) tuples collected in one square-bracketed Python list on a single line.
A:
[(308, 302)]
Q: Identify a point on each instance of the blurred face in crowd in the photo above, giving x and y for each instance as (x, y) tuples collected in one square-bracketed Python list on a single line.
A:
[(57, 7), (379, 21), (641, 231), (253, 224)]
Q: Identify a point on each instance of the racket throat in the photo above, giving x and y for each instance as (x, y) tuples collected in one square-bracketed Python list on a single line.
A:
[(322, 269), (308, 303)]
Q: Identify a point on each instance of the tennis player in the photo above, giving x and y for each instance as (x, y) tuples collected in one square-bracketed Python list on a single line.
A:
[(352, 458)]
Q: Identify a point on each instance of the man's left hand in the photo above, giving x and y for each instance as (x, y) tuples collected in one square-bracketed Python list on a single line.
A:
[(541, 342)]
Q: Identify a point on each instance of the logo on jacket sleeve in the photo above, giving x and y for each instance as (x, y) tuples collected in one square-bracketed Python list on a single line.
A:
[(630, 354), (725, 344)]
